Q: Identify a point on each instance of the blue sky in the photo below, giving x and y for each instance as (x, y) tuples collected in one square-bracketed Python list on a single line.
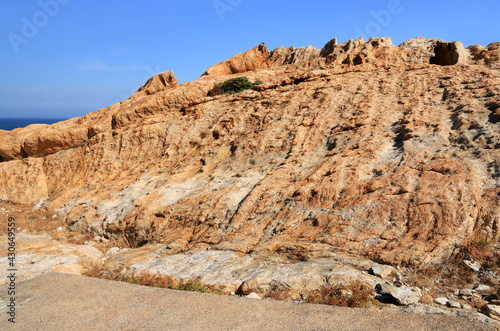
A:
[(65, 58)]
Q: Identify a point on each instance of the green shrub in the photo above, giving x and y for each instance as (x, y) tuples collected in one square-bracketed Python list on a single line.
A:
[(232, 86)]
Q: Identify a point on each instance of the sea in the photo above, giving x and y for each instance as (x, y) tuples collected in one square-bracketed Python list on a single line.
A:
[(13, 123)]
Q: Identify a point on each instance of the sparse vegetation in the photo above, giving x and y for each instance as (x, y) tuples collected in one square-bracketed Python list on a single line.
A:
[(40, 221), (454, 273), (232, 86), (356, 294), (147, 279)]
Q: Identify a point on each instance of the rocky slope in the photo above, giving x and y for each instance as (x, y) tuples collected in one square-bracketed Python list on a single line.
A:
[(386, 152)]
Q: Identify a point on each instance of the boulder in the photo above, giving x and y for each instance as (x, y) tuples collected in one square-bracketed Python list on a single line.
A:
[(453, 304), (403, 295)]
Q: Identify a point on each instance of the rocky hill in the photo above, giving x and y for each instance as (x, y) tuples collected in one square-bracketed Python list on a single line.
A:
[(386, 152)]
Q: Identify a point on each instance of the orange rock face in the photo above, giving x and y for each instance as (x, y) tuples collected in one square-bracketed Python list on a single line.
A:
[(383, 151)]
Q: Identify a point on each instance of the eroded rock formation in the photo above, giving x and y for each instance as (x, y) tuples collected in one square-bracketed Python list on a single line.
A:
[(362, 147)]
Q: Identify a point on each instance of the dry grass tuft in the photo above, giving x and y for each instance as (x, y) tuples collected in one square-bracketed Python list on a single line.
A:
[(147, 279), (36, 222), (356, 294), (454, 273)]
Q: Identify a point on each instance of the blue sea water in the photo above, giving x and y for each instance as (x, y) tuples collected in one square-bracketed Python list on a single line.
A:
[(13, 123)]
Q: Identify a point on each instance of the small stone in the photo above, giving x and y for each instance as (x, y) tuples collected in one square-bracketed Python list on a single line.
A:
[(475, 266), (253, 295), (482, 288), (453, 304), (232, 293), (381, 271), (60, 229), (441, 301), (346, 293), (18, 229), (465, 292), (113, 250), (492, 311), (54, 216)]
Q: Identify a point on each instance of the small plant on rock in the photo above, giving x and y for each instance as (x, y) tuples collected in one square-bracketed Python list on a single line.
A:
[(232, 86)]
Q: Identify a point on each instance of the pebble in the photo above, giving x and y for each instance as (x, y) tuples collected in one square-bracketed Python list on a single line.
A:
[(441, 301), (113, 250), (404, 295), (60, 229), (482, 288), (465, 292)]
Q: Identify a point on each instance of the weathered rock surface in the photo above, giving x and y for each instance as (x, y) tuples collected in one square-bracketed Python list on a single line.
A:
[(157, 83), (232, 271), (361, 147), (37, 254)]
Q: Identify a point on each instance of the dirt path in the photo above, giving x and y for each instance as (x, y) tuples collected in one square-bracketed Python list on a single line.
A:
[(67, 302)]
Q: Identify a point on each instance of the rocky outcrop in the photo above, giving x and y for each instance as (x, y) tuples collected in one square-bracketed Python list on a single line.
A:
[(40, 140), (376, 152), (250, 60), (157, 83), (489, 56)]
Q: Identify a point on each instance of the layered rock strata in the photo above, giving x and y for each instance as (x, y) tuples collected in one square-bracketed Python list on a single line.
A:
[(362, 147)]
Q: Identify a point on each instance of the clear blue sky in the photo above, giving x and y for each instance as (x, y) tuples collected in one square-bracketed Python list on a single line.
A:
[(88, 54)]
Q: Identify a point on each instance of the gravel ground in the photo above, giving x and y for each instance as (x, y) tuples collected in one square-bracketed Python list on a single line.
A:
[(68, 302)]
